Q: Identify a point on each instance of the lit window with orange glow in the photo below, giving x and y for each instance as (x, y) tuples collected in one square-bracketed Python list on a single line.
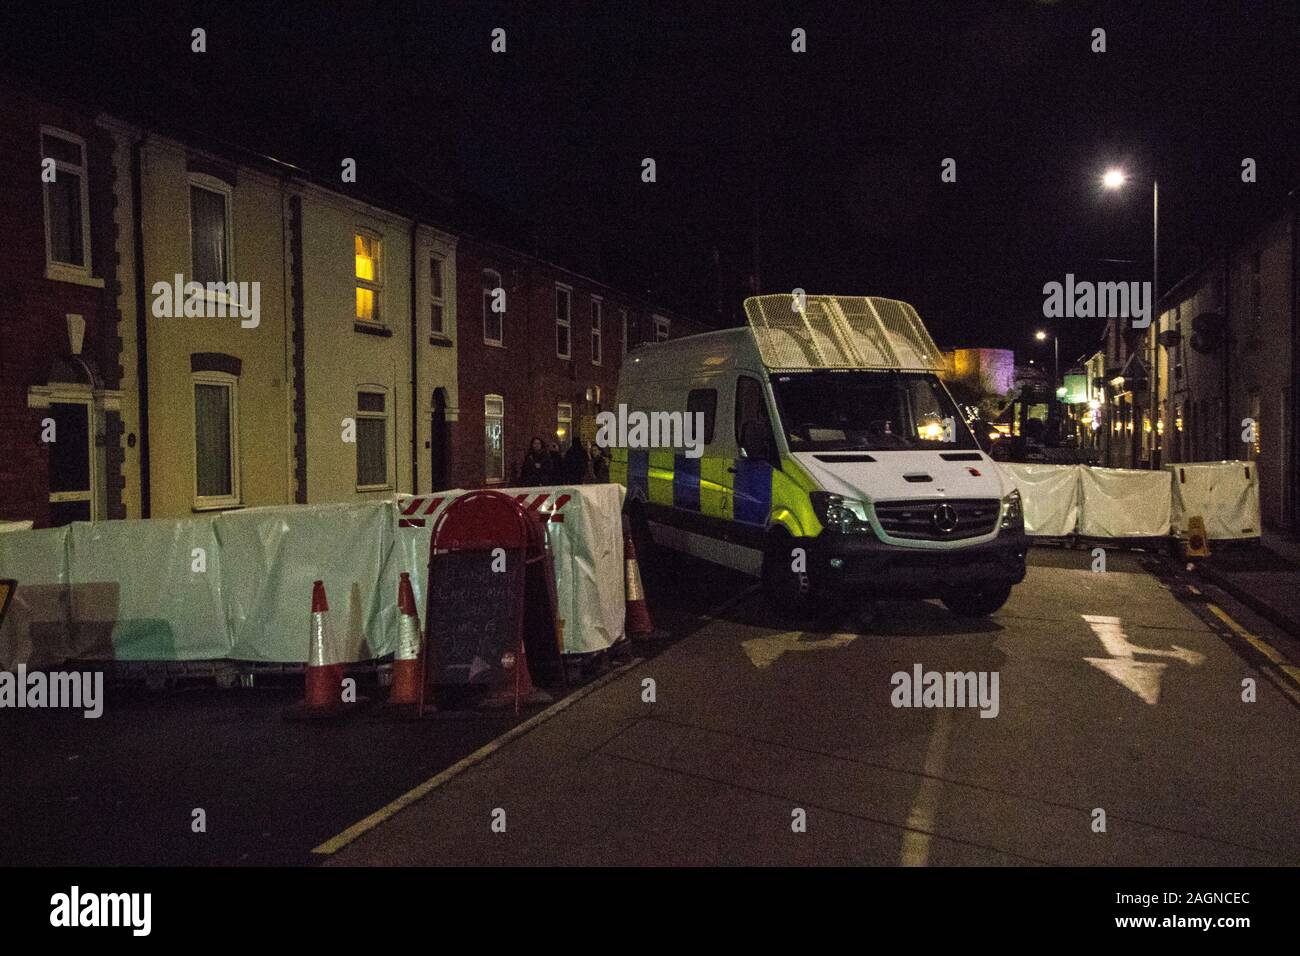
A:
[(369, 281)]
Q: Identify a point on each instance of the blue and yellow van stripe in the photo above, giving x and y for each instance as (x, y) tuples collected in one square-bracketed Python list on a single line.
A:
[(742, 490)]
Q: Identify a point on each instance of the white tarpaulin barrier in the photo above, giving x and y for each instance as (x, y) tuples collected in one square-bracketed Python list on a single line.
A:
[(271, 556), (36, 629), (238, 585), (146, 590), (1049, 495), (584, 531), (1224, 493), (1124, 503)]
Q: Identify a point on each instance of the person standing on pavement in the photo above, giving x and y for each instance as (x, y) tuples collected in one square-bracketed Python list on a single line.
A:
[(599, 465), (575, 463), (536, 466)]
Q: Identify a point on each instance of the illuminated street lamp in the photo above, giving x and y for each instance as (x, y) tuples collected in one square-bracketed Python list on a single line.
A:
[(1041, 336), (1115, 178)]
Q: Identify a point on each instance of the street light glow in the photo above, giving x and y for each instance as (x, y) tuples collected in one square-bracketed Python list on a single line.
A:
[(1113, 179), (1041, 336)]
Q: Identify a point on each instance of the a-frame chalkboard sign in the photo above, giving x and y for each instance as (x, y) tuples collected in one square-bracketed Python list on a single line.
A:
[(479, 558)]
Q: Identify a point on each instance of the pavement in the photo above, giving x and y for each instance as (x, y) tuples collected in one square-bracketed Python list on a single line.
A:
[(1264, 575), (1122, 736)]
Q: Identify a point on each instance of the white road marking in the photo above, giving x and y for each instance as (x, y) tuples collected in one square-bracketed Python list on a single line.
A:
[(1141, 677), (920, 821)]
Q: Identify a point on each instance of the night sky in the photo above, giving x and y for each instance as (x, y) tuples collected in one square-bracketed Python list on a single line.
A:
[(830, 159)]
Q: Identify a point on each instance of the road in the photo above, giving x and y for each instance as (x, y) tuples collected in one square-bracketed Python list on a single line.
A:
[(1115, 693), (1137, 713)]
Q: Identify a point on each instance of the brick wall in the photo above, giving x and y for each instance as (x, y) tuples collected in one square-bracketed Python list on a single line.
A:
[(33, 309), (525, 371)]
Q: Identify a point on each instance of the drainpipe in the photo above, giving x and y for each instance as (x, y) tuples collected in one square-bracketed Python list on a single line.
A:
[(1295, 356), (1227, 352), (415, 371), (141, 324)]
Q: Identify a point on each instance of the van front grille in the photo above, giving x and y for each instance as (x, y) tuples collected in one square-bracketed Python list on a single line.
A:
[(939, 519)]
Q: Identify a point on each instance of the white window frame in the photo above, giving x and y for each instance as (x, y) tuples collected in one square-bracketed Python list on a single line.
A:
[(623, 313), (376, 286), (67, 271), (566, 322), (213, 185), (663, 326), (385, 415), (500, 318), (500, 415), (231, 383), (440, 262), (597, 329), (564, 416)]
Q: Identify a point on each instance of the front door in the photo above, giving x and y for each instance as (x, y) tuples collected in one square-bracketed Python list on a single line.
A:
[(71, 462)]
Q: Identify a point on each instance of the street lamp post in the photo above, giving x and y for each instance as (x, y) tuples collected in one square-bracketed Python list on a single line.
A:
[(1056, 356), (1114, 179)]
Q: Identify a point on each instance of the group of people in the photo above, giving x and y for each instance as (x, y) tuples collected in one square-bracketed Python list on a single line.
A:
[(550, 466)]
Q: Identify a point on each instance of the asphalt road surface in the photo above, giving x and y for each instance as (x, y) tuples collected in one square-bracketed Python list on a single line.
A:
[(764, 743)]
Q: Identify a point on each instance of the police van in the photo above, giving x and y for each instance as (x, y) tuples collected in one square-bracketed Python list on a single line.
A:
[(834, 461)]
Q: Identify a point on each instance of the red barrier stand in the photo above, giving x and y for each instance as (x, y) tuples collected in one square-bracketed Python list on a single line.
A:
[(487, 560)]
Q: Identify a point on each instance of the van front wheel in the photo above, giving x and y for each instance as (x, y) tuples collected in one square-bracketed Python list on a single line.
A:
[(977, 602), (788, 592)]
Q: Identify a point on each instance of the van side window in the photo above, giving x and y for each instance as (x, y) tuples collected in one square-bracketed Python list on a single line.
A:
[(704, 400), (753, 428)]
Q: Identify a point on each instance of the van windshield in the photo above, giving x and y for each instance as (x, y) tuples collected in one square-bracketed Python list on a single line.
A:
[(873, 411)]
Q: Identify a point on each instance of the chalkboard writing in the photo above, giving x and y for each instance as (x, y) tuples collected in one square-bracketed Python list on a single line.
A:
[(474, 614)]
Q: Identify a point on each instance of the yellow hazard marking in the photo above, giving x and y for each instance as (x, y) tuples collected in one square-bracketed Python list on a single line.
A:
[(1270, 652)]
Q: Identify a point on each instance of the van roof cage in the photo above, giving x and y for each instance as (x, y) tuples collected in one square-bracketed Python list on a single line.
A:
[(800, 332)]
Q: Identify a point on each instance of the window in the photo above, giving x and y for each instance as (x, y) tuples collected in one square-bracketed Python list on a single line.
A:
[(704, 400), (216, 440), (494, 454), (623, 315), (563, 320), (661, 328), (437, 300), (67, 205), (563, 424), (597, 320), (753, 428), (209, 230), (369, 278), (493, 321), (372, 439)]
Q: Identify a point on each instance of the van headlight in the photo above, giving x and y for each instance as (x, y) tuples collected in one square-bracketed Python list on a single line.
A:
[(1013, 515), (840, 514)]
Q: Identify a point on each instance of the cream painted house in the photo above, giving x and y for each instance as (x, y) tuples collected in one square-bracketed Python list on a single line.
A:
[(281, 343), (207, 397)]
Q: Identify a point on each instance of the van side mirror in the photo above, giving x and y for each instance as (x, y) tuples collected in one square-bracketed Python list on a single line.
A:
[(756, 441)]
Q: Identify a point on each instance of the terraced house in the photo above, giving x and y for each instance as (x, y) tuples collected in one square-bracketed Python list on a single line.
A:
[(187, 326)]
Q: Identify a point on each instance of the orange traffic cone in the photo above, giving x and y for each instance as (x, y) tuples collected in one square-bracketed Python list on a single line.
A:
[(323, 691), (638, 624), (408, 659)]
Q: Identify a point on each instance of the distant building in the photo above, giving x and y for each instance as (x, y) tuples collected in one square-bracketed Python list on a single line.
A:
[(1224, 372), (988, 372)]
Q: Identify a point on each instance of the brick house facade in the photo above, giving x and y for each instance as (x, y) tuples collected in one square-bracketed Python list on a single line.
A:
[(58, 285), (521, 386)]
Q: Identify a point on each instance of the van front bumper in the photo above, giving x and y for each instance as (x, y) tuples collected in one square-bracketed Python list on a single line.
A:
[(868, 566)]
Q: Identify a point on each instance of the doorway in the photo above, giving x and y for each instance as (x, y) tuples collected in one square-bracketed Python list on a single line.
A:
[(71, 462), (439, 464)]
